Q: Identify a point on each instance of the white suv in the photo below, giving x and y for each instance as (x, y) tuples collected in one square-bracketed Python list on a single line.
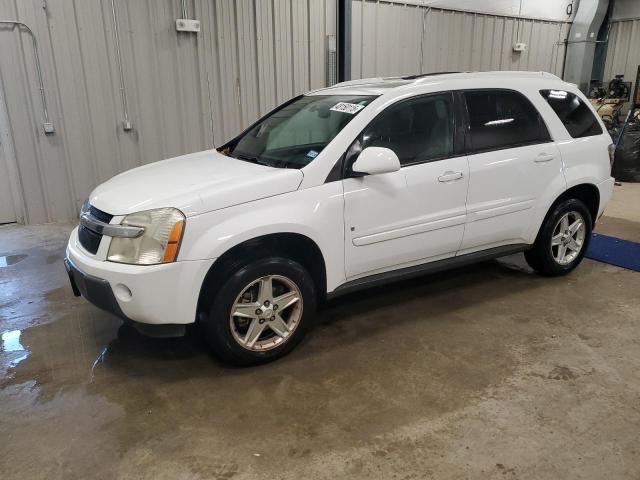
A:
[(340, 189)]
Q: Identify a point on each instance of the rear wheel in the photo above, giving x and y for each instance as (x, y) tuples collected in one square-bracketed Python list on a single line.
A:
[(563, 239), (261, 312)]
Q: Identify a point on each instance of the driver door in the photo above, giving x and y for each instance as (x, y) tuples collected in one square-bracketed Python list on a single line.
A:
[(416, 214)]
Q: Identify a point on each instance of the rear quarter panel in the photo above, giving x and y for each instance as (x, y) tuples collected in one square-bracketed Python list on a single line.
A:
[(584, 160)]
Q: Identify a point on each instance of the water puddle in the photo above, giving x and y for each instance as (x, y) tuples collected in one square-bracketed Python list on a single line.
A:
[(11, 343), (88, 346), (8, 260)]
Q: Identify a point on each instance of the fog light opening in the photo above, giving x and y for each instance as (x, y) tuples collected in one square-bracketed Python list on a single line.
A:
[(123, 292)]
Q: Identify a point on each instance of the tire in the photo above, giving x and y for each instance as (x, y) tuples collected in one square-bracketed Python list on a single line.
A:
[(276, 329), (547, 259)]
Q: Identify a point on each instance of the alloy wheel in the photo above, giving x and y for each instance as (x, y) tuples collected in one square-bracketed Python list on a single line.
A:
[(568, 238), (266, 312)]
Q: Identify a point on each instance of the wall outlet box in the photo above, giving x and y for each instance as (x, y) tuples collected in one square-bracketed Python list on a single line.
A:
[(519, 47), (48, 128), (186, 25)]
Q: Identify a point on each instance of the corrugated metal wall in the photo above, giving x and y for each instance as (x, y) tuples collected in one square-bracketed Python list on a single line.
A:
[(623, 50), (185, 92), (391, 38)]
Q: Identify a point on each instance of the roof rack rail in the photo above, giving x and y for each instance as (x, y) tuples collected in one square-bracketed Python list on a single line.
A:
[(420, 75)]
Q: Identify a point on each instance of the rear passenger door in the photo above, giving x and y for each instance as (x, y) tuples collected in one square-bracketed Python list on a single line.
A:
[(512, 161)]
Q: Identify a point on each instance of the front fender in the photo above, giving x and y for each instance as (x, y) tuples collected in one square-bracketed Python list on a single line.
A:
[(316, 213)]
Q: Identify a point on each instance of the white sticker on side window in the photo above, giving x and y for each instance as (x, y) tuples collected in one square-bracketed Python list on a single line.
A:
[(344, 107)]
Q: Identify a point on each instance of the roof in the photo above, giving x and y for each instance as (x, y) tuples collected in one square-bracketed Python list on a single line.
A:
[(380, 85)]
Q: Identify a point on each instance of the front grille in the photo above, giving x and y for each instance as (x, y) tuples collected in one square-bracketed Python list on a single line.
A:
[(99, 214), (89, 239)]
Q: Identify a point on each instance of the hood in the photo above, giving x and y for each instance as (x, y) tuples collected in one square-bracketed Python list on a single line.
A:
[(194, 183)]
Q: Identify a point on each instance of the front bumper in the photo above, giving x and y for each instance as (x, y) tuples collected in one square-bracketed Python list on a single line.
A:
[(151, 294), (93, 289)]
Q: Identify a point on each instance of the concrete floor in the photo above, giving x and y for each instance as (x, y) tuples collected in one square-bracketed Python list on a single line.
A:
[(485, 372)]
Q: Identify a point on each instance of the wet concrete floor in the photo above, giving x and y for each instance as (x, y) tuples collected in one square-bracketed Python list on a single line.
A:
[(484, 372)]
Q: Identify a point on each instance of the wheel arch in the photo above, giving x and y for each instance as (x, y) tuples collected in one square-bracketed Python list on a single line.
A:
[(587, 193), (295, 246)]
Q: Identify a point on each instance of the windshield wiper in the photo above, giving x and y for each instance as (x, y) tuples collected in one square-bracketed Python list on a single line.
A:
[(248, 158), (289, 164)]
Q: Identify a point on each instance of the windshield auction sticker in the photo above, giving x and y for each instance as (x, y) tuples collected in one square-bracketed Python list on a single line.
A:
[(350, 108)]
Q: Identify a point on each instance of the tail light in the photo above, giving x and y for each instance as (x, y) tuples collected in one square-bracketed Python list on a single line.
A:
[(612, 153)]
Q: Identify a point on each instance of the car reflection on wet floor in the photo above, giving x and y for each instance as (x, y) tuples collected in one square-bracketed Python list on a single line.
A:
[(72, 352)]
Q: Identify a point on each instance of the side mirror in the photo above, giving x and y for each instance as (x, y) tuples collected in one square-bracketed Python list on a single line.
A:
[(376, 160)]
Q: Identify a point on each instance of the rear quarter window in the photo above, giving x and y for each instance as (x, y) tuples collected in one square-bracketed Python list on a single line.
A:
[(576, 116)]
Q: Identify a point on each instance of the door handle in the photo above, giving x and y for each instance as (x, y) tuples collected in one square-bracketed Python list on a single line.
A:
[(544, 157), (450, 176)]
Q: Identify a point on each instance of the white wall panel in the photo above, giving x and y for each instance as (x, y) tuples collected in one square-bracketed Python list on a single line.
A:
[(623, 50), (186, 92), (397, 38)]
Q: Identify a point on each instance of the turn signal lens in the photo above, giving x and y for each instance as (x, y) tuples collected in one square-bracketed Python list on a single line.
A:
[(171, 250)]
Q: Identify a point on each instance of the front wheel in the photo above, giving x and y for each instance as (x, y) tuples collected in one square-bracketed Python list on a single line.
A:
[(261, 312), (563, 239)]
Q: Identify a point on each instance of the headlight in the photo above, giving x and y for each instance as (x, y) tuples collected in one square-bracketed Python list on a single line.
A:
[(85, 207), (158, 244)]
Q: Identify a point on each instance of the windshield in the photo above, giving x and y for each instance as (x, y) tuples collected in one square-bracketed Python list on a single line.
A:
[(293, 135)]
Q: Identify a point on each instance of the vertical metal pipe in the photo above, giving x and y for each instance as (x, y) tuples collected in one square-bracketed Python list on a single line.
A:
[(123, 91), (43, 97), (184, 9), (422, 37), (344, 40)]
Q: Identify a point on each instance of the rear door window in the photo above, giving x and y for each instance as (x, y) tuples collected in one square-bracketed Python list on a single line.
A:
[(500, 119), (576, 116)]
